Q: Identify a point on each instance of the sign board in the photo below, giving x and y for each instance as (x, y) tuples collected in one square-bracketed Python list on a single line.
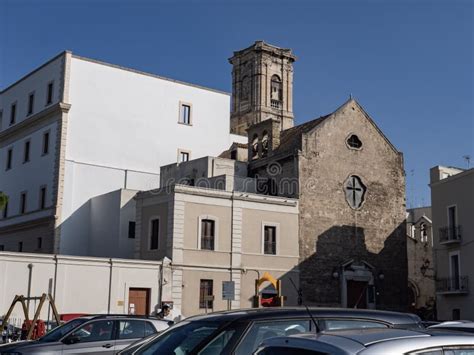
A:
[(228, 290)]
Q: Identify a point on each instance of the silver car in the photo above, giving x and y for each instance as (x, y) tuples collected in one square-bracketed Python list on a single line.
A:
[(370, 342), (459, 326), (103, 334)]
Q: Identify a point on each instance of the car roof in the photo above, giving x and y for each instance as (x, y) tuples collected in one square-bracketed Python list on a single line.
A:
[(453, 324), (291, 312)]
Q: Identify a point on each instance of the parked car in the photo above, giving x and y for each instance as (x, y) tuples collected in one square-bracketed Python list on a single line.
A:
[(460, 326), (240, 332), (370, 342), (100, 334)]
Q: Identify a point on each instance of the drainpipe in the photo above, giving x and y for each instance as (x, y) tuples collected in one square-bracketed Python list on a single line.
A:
[(160, 286), (30, 276), (110, 285)]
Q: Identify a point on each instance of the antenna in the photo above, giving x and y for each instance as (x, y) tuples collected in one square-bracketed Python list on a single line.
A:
[(300, 299), (467, 158)]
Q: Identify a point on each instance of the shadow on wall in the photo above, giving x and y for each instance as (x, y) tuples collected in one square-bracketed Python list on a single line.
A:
[(341, 250)]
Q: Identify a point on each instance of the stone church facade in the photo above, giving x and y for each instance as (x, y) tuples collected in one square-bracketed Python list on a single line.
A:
[(349, 180)]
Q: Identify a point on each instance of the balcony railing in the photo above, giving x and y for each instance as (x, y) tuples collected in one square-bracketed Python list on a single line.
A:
[(276, 104), (450, 234), (453, 285)]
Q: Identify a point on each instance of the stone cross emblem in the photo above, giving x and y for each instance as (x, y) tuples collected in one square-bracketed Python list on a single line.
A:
[(355, 191)]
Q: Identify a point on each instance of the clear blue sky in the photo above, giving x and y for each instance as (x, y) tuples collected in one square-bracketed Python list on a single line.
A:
[(408, 62)]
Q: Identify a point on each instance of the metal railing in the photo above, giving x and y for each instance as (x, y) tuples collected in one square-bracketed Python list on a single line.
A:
[(450, 234), (453, 284), (207, 243), (270, 248)]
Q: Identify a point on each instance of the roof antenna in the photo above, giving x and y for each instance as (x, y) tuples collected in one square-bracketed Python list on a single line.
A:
[(300, 301), (467, 158)]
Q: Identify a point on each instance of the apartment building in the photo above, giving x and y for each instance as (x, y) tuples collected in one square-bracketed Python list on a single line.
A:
[(452, 198), (75, 129)]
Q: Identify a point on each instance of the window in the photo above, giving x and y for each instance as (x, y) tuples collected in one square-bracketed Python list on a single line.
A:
[(154, 233), (20, 246), (354, 142), (183, 157), (185, 114), (131, 230), (423, 233), (2, 247), (218, 344), (23, 203), (131, 329), (233, 155), (355, 191), (39, 243), (456, 314), (455, 270), (5, 211), (42, 198), (206, 298), (45, 143), (95, 331), (207, 234), (9, 158), (269, 241), (452, 221), (31, 103), (338, 324), (13, 114), (26, 152), (276, 92), (49, 94)]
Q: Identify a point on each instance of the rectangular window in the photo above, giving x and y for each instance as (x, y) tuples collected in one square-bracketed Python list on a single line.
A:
[(42, 198), (49, 94), (452, 221), (206, 298), (45, 143), (185, 114), (9, 158), (2, 247), (23, 203), (39, 243), (13, 114), (269, 246), (131, 230), (155, 233), (207, 234), (455, 271), (20, 246), (183, 157), (31, 103), (26, 152), (5, 211)]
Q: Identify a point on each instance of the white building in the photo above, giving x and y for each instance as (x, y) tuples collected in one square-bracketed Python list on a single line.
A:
[(75, 129)]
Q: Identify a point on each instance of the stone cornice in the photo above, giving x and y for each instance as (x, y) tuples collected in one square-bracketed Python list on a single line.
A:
[(33, 120), (27, 224)]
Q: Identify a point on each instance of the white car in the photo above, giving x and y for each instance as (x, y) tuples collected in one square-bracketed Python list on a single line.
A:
[(460, 326)]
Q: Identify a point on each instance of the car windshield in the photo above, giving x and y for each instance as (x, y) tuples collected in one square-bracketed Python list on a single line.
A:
[(57, 333), (180, 339)]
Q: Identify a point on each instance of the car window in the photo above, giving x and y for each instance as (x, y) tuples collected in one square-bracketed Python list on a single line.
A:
[(94, 331), (216, 346), (180, 339), (427, 352), (149, 329), (277, 350), (265, 330), (57, 333), (131, 329), (459, 351), (337, 324)]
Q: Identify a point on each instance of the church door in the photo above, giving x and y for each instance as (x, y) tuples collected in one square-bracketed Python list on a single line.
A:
[(356, 294)]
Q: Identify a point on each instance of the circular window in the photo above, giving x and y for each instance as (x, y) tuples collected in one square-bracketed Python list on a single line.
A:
[(354, 142)]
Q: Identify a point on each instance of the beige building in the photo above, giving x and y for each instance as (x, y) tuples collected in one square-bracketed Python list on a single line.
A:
[(206, 219), (452, 199)]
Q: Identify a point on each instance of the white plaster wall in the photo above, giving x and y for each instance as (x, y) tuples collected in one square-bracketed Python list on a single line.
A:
[(36, 82)]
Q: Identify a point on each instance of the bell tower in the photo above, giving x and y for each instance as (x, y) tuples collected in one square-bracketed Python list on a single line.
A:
[(262, 86)]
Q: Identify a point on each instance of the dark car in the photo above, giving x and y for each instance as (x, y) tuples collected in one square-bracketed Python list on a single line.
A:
[(240, 332), (102, 334)]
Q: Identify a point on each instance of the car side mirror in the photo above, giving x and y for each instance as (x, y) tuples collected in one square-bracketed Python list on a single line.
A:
[(72, 339)]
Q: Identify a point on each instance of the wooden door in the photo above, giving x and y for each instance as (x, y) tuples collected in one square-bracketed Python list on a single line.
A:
[(139, 301), (356, 294)]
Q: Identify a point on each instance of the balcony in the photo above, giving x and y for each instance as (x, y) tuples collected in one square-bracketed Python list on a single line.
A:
[(452, 285), (450, 235), (276, 104)]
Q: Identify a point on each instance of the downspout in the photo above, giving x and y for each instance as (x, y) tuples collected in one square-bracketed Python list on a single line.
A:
[(110, 286), (160, 286), (55, 257)]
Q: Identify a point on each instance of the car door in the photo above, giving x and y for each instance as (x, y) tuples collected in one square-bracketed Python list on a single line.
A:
[(129, 331), (95, 337)]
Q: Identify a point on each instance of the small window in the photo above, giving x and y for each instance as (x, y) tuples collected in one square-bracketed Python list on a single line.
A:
[(354, 142), (45, 143), (2, 247), (20, 246), (269, 243), (13, 114), (131, 329), (185, 114), (42, 204), (23, 203), (9, 158), (131, 230), (49, 94), (423, 233), (31, 103), (207, 234), (5, 211), (183, 157), (154, 234), (26, 152), (233, 155), (206, 298), (456, 314), (39, 243)]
